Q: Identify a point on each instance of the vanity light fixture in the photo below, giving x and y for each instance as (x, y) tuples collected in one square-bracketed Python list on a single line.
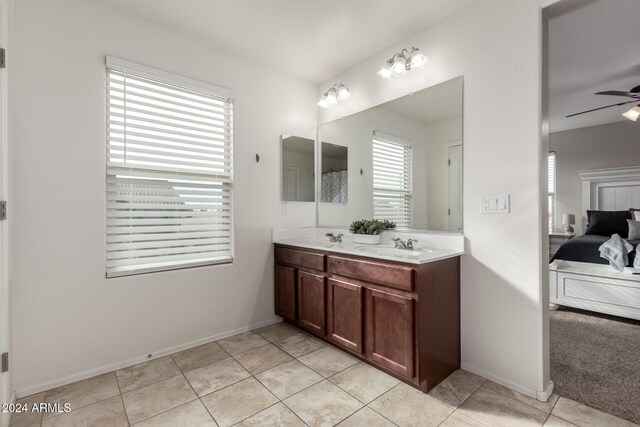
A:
[(338, 93), (633, 113), (399, 63)]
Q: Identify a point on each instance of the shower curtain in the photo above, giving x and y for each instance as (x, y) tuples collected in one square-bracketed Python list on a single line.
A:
[(334, 187)]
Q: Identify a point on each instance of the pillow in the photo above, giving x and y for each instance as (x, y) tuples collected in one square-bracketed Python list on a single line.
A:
[(608, 223), (635, 213), (634, 229)]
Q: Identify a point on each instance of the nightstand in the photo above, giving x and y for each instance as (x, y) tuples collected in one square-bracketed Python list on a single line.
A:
[(556, 239)]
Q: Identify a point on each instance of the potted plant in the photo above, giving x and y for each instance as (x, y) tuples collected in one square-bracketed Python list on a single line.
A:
[(368, 230)]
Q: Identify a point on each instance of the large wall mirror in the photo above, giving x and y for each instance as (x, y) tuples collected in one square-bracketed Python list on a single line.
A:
[(404, 162), (298, 166)]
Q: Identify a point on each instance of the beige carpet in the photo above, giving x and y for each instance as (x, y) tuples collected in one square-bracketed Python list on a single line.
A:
[(595, 360)]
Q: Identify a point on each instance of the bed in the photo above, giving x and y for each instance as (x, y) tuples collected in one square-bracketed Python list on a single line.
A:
[(578, 276)]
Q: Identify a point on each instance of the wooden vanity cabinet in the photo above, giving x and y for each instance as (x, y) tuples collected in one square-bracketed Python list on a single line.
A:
[(389, 331), (311, 302), (345, 314), (402, 318)]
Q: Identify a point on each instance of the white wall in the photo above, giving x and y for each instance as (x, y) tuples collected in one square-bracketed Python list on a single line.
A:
[(595, 147), (356, 132), (496, 45), (69, 321)]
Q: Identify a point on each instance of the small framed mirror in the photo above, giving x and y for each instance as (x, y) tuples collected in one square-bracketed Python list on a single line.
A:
[(298, 167), (334, 184)]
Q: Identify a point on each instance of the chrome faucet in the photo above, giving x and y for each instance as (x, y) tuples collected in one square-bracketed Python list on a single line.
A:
[(400, 244), (334, 237)]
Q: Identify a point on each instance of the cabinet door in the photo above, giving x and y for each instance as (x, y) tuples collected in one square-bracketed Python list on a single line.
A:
[(344, 314), (389, 331), (311, 302), (285, 284)]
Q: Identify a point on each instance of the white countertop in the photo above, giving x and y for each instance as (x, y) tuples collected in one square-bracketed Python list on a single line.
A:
[(430, 247)]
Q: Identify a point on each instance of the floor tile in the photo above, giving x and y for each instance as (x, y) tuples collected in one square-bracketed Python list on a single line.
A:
[(457, 419), (27, 418), (554, 421), (238, 401), (107, 413), (153, 399), (585, 416), (143, 374), (543, 406), (213, 377), (262, 358), (364, 382), (192, 414), (366, 417), (288, 379), (496, 409), (457, 388), (277, 332), (243, 342), (328, 361), (197, 357), (276, 415), (83, 393), (407, 406), (299, 344), (323, 404)]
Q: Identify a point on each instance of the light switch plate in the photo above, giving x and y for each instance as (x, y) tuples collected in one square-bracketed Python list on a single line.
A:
[(496, 204)]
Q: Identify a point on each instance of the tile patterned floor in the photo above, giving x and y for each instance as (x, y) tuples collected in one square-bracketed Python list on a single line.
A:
[(280, 376)]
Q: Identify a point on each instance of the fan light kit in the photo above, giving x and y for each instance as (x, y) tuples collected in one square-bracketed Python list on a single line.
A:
[(338, 93), (633, 114), (400, 63)]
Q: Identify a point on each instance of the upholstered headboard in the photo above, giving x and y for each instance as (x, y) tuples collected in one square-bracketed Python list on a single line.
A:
[(613, 189)]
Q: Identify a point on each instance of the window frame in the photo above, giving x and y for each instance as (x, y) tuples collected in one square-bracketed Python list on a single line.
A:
[(187, 84)]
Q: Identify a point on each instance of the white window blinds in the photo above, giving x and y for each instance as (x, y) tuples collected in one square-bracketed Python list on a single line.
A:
[(551, 179), (392, 179), (169, 171)]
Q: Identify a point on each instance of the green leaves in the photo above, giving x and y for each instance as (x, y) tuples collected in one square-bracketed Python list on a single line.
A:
[(371, 226)]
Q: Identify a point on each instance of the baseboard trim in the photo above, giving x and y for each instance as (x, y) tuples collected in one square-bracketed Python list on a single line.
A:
[(134, 361), (538, 395), (545, 394)]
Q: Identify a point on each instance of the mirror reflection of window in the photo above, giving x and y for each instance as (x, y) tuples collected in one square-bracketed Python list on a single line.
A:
[(298, 162), (335, 173), (392, 179)]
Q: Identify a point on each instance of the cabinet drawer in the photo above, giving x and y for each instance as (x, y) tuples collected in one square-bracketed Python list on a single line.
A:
[(300, 258), (395, 276)]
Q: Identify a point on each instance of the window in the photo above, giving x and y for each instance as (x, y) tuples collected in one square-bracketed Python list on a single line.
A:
[(551, 162), (169, 171), (392, 179)]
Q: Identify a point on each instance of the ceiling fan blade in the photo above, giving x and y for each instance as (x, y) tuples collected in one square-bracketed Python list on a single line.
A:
[(619, 93), (602, 108)]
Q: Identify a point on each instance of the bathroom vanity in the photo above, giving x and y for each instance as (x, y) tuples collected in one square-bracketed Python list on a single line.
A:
[(397, 310)]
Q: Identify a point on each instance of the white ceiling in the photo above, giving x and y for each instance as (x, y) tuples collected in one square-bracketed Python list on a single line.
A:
[(430, 105), (309, 39), (592, 49)]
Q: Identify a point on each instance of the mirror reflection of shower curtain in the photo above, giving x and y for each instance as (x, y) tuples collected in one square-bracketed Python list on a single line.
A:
[(334, 187)]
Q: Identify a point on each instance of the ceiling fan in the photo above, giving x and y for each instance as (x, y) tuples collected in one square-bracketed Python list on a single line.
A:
[(632, 114)]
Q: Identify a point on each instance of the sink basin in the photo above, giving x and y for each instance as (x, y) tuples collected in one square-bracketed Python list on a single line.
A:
[(318, 242), (391, 251)]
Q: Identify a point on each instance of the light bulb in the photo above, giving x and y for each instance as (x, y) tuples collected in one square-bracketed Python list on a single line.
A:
[(323, 101), (343, 93), (418, 59), (399, 67), (385, 72), (332, 97), (633, 113)]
